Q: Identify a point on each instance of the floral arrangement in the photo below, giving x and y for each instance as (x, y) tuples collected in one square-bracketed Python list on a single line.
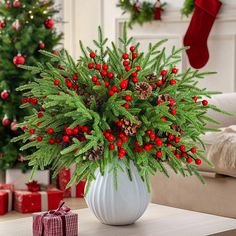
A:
[(116, 105)]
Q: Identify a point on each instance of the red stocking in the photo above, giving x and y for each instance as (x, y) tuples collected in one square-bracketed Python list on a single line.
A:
[(200, 26)]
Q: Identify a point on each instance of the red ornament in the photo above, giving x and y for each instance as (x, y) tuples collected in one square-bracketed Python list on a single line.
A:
[(157, 11), (19, 60), (5, 94), (204, 103), (49, 23), (16, 3), (8, 4), (41, 45), (6, 121), (2, 24), (14, 124)]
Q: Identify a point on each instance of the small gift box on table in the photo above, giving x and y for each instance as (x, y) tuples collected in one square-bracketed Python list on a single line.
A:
[(60, 222), (76, 190), (5, 198), (35, 200)]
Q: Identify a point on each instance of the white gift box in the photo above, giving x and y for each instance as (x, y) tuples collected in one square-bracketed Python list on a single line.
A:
[(19, 179)]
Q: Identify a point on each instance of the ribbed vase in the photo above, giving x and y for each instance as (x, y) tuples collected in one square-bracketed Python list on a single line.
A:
[(122, 206)]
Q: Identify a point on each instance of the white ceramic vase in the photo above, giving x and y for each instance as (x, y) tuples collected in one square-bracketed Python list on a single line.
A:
[(122, 206)]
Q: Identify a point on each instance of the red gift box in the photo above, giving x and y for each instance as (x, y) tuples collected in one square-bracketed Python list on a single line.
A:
[(60, 222), (5, 198), (76, 190), (26, 201)]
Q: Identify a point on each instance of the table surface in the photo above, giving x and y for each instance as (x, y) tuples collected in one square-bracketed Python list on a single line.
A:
[(158, 220)]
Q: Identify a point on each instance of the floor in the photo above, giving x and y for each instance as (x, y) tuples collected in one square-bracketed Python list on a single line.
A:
[(73, 203)]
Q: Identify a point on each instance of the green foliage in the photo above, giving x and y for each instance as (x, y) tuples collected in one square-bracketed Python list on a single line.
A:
[(139, 12), (26, 41), (88, 115), (188, 7)]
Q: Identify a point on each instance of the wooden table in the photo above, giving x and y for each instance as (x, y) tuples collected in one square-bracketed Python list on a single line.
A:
[(158, 220)]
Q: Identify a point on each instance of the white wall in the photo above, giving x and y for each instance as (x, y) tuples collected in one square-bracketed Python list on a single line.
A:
[(85, 16)]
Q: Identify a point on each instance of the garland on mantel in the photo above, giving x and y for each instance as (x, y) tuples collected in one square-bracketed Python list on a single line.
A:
[(141, 12)]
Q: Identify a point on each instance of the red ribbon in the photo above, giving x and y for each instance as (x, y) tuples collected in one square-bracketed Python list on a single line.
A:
[(33, 186)]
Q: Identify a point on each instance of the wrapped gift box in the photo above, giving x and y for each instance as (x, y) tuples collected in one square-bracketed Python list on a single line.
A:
[(5, 198), (76, 190), (18, 178), (60, 222), (27, 201)]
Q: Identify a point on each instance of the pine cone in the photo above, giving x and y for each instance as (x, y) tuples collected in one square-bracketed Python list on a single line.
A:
[(166, 98), (151, 77), (145, 90), (95, 154), (128, 127), (177, 128), (88, 101)]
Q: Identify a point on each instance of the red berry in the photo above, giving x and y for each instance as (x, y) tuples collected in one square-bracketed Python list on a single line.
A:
[(159, 154), (135, 80), (75, 130), (122, 150), (107, 84), (124, 138), (111, 93), (189, 159), (97, 83), (126, 106), (94, 79), (159, 101), (125, 63), (152, 136), (134, 55), (138, 68), (50, 131), (90, 65), (125, 56), (171, 102), (119, 143), (98, 67), (148, 147), (34, 100), (39, 123), (114, 88), (127, 68), (174, 70), (111, 146), (56, 82), (69, 131), (182, 148), (132, 48), (177, 139), (193, 150), (31, 131), (198, 161), (163, 72), (92, 54), (128, 98), (110, 138), (172, 82), (39, 138), (104, 73), (204, 102), (24, 100), (138, 149), (66, 139), (110, 75), (105, 67), (75, 77), (40, 115), (173, 112), (121, 155), (149, 131), (124, 84), (170, 136), (183, 154), (195, 98), (51, 141), (163, 118), (159, 83)]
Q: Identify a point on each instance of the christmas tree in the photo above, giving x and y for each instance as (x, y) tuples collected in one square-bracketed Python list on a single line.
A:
[(117, 105), (25, 27)]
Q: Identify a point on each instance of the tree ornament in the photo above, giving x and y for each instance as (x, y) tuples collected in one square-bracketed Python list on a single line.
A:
[(19, 60), (204, 103), (94, 154), (14, 124), (49, 23), (198, 31), (41, 45), (130, 128), (8, 4), (145, 90), (2, 24), (198, 161), (6, 121), (16, 3), (16, 25), (5, 94), (137, 6), (157, 11)]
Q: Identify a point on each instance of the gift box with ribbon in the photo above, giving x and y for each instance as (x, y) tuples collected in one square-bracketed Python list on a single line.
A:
[(5, 198), (76, 190), (60, 222), (36, 199)]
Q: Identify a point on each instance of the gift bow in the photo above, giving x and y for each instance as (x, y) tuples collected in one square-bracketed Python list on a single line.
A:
[(33, 186), (61, 210)]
